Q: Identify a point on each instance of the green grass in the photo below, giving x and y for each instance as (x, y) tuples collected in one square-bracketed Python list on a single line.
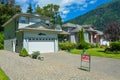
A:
[(99, 52), (3, 76)]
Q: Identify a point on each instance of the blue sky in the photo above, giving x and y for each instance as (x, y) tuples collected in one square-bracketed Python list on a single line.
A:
[(68, 8)]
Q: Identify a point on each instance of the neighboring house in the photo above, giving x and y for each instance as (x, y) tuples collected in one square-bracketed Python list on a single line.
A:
[(31, 31), (91, 35)]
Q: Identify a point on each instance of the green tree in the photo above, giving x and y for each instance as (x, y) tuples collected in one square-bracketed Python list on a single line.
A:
[(81, 36), (6, 12), (29, 10), (51, 11)]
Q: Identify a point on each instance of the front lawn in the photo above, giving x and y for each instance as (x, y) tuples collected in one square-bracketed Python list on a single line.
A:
[(3, 76), (99, 52)]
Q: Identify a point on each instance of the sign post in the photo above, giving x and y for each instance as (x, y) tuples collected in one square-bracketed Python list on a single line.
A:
[(85, 62)]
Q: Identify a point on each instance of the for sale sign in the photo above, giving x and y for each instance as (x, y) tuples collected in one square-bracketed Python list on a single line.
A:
[(85, 62), (85, 57)]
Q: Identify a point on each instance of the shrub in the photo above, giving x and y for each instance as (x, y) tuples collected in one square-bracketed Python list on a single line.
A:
[(35, 54), (1, 46), (114, 48), (23, 53), (108, 52), (67, 45), (92, 46), (84, 45), (112, 52), (1, 40), (97, 45), (115, 45)]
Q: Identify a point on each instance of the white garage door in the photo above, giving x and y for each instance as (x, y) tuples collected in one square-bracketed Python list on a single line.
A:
[(44, 46)]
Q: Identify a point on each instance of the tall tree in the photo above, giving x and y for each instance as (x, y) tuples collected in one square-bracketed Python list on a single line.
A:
[(112, 31), (58, 19), (29, 10), (38, 9), (81, 36), (51, 11), (7, 11)]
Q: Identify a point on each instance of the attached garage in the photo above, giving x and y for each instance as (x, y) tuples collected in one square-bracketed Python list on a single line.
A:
[(44, 45)]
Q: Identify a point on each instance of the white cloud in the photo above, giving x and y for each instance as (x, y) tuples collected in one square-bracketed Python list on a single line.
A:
[(92, 1), (65, 5)]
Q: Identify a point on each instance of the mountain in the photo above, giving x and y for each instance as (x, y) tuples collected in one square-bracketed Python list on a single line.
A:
[(101, 16)]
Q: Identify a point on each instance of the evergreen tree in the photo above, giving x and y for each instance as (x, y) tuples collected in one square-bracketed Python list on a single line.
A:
[(30, 10), (81, 36), (38, 9)]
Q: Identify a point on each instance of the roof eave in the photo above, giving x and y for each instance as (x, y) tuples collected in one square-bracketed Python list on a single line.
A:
[(24, 14), (20, 30), (11, 19)]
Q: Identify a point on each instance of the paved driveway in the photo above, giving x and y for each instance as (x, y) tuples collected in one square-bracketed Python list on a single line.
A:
[(57, 66)]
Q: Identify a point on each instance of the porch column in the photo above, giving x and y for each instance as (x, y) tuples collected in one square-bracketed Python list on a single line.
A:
[(91, 38), (56, 45)]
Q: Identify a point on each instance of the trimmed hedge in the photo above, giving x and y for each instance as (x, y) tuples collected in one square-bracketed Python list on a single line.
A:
[(23, 53), (115, 45), (114, 48), (84, 45), (67, 45)]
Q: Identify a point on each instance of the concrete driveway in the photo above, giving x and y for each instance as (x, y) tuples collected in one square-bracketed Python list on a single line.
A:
[(57, 66)]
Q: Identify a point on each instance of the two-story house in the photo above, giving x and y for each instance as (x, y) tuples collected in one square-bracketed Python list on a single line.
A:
[(32, 32)]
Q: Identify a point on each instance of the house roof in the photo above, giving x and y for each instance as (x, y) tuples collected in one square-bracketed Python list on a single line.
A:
[(27, 15), (99, 32), (77, 29), (68, 25), (64, 32), (39, 27), (85, 27)]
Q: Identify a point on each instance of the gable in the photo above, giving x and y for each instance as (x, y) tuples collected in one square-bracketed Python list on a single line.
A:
[(16, 16)]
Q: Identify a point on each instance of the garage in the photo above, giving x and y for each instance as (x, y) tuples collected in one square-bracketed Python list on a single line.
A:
[(44, 45)]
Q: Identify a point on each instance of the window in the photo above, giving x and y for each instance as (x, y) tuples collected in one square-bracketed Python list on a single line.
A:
[(42, 34), (33, 38), (36, 38), (24, 20), (29, 38)]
